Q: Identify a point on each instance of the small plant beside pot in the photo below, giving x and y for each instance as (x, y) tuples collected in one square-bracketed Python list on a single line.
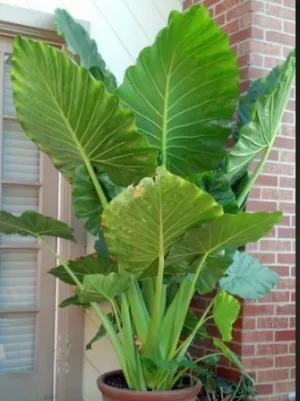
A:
[(152, 180)]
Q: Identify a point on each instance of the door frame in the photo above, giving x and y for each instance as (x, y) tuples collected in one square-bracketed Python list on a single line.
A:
[(69, 322)]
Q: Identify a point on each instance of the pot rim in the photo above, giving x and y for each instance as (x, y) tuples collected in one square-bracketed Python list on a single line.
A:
[(103, 386)]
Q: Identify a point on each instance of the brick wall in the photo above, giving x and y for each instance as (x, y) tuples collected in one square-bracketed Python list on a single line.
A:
[(262, 32)]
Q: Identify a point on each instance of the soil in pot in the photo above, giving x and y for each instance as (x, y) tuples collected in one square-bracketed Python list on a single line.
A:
[(113, 387)]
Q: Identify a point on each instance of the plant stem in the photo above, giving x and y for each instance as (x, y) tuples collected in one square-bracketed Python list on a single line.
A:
[(116, 313), (246, 190), (96, 183)]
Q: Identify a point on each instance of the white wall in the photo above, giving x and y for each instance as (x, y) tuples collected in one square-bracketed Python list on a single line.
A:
[(121, 28)]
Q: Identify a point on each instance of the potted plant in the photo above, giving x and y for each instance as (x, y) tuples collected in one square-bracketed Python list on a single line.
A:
[(153, 181)]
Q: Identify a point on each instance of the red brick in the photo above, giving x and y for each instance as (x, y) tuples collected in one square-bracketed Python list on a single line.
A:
[(264, 389), (276, 168), (288, 130), (231, 27), (241, 35), (247, 350), (225, 5), (286, 258), (279, 37), (285, 143), (285, 335), (283, 271), (272, 375), (293, 297), (285, 387), (288, 117), (287, 207), (220, 20), (267, 22), (287, 284), (244, 86), (277, 194), (257, 73), (293, 373), (292, 322), (266, 258), (293, 271), (273, 323), (290, 3), (285, 310), (287, 156), (258, 363), (257, 336), (208, 3), (188, 3), (272, 349), (287, 182), (271, 62), (257, 206), (275, 245), (267, 180), (291, 106), (238, 10), (292, 348), (286, 232), (280, 12), (285, 361), (276, 296)]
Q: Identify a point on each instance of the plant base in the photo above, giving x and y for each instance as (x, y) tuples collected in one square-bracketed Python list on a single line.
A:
[(110, 393)]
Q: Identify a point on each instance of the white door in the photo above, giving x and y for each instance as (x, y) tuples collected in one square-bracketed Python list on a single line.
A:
[(27, 292)]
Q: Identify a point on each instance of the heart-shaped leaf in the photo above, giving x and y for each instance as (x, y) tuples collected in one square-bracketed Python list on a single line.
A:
[(98, 287), (145, 220), (225, 312), (86, 265), (227, 231), (260, 114), (183, 90), (247, 278), (34, 224), (71, 116), (79, 43)]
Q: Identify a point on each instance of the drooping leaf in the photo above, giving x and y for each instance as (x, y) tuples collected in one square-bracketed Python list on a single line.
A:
[(183, 90), (71, 117), (73, 301), (260, 114), (215, 268), (218, 186), (225, 311), (34, 224), (86, 265), (228, 353), (99, 286), (79, 43), (247, 278), (100, 246), (86, 202), (190, 324), (143, 220), (102, 332), (228, 231)]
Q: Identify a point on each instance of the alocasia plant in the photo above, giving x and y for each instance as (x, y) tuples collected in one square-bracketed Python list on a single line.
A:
[(153, 181)]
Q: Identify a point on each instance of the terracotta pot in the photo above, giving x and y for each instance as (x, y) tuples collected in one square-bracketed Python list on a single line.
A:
[(114, 394)]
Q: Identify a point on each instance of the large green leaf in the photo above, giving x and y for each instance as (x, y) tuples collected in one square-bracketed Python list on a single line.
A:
[(34, 224), (72, 117), (86, 265), (260, 114), (79, 43), (225, 312), (183, 90), (100, 286), (228, 231), (145, 220), (218, 186), (247, 278)]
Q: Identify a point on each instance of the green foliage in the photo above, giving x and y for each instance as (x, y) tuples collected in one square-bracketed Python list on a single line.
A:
[(184, 92), (247, 278), (34, 224), (79, 43), (175, 233)]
